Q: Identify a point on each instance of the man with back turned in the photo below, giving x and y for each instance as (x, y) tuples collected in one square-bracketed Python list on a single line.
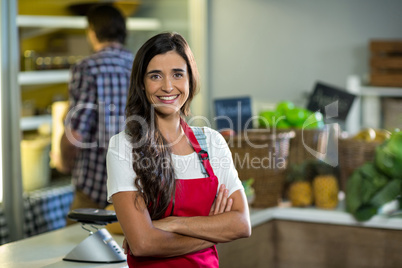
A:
[(97, 99)]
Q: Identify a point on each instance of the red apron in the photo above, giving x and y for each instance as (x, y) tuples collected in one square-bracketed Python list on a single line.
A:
[(193, 197)]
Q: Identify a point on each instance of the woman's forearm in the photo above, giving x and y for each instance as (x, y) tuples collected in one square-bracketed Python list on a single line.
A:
[(219, 228), (168, 244), (143, 238)]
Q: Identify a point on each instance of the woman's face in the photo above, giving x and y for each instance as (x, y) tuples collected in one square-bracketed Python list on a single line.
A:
[(167, 83)]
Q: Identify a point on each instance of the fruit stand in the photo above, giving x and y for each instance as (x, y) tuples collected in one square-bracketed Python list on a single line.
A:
[(343, 215), (347, 215), (368, 172)]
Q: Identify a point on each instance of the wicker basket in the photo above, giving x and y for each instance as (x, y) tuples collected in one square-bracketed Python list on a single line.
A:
[(352, 154), (315, 139), (263, 156)]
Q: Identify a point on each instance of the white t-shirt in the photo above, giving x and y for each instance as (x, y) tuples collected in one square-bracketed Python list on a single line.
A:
[(121, 174)]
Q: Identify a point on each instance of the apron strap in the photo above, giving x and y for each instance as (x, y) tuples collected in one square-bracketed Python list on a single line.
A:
[(201, 137), (202, 140), (202, 154)]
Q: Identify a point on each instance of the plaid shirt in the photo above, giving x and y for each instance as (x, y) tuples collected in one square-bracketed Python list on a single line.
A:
[(98, 94)]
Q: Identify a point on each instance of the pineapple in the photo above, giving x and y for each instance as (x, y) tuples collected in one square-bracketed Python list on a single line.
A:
[(325, 187), (300, 191), (301, 194)]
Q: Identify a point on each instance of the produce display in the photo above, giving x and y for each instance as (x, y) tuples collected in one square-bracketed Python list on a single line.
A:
[(313, 182), (287, 115), (377, 182), (372, 135)]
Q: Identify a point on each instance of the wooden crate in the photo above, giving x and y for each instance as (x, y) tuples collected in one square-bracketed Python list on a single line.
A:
[(386, 63)]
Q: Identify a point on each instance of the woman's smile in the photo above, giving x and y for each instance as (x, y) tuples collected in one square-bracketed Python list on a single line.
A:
[(168, 99)]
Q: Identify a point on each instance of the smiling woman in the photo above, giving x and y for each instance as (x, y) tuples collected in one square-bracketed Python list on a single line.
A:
[(172, 215)]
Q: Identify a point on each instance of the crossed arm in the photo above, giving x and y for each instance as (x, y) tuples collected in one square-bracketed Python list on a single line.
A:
[(173, 236)]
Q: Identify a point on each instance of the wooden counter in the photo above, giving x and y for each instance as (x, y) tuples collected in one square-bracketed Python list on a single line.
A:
[(282, 237), (307, 237)]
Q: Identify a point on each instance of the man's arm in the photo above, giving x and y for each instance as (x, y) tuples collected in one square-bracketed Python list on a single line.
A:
[(68, 153)]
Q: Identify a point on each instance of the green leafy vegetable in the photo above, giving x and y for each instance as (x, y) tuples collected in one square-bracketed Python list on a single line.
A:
[(388, 193), (365, 212), (388, 156)]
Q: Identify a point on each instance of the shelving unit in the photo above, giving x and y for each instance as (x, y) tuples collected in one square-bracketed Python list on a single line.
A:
[(33, 122), (381, 91), (40, 24), (43, 77), (36, 25), (367, 111), (80, 22)]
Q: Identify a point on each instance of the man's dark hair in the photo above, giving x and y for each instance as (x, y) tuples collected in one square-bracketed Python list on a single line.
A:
[(108, 23)]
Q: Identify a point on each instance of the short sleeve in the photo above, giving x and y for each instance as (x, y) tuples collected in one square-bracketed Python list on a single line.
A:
[(120, 174), (222, 161)]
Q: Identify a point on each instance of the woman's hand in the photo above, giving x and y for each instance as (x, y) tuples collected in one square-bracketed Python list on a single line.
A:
[(142, 238), (126, 247), (228, 220), (222, 203)]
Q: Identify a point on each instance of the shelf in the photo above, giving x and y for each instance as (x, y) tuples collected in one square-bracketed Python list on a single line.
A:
[(367, 110), (33, 122), (80, 22), (34, 25), (380, 91), (43, 77), (337, 216)]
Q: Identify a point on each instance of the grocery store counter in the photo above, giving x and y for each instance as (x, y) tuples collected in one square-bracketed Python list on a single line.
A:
[(337, 216), (48, 249), (288, 237)]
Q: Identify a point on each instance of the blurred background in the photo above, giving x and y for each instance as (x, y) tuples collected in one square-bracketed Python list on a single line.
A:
[(269, 51)]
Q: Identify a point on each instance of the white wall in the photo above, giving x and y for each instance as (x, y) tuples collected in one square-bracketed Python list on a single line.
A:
[(173, 15), (277, 49)]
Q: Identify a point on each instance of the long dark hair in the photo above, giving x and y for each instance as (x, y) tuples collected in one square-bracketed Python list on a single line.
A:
[(155, 176)]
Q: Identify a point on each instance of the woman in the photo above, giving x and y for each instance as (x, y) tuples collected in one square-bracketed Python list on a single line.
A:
[(172, 205)]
